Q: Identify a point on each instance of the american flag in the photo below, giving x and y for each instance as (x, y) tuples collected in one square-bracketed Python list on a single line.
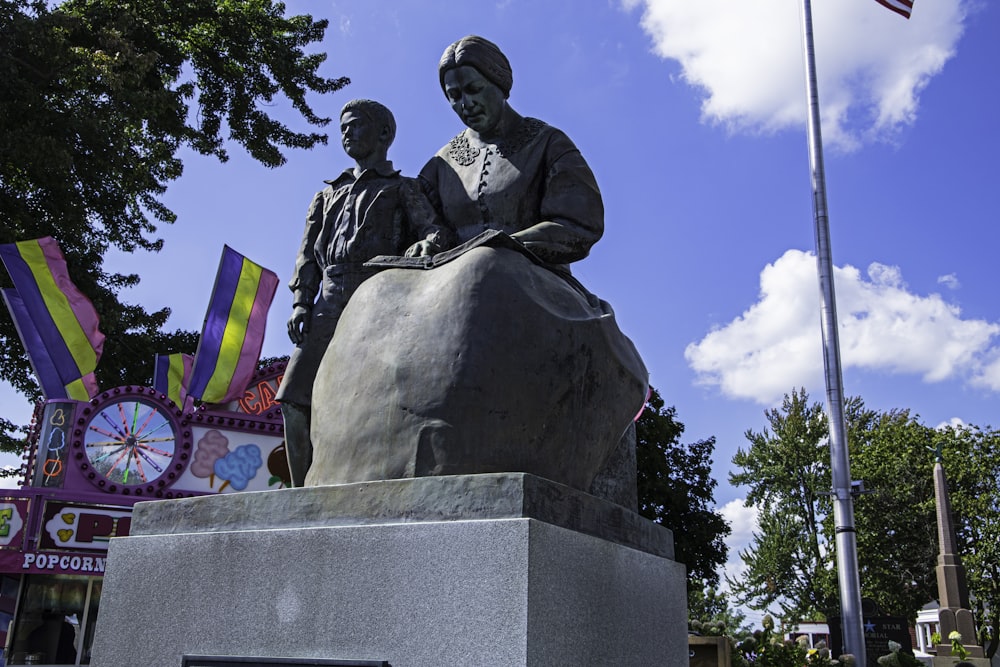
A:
[(902, 7)]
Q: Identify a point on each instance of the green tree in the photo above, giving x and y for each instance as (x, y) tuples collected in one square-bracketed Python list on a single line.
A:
[(895, 518), (710, 613), (791, 562), (767, 648), (99, 98), (972, 465), (786, 469), (676, 490)]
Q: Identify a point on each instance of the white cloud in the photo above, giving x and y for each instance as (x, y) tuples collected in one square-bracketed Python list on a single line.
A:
[(989, 375), (776, 344), (956, 423), (743, 521), (950, 281), (746, 57), (10, 482)]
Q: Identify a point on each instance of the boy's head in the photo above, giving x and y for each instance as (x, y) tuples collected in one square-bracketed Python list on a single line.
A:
[(366, 128)]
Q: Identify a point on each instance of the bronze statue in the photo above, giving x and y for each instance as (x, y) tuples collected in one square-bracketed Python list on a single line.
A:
[(370, 209), (492, 358)]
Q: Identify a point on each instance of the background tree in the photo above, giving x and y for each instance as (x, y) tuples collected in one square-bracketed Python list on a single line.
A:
[(710, 612), (972, 464), (791, 563), (895, 518), (786, 469), (99, 97), (676, 490), (897, 526)]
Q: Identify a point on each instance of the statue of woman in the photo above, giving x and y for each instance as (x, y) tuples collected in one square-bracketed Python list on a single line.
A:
[(493, 358), (506, 172)]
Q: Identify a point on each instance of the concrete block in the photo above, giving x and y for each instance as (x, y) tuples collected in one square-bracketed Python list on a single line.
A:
[(513, 590)]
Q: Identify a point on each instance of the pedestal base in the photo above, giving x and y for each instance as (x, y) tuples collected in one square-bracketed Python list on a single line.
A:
[(411, 585)]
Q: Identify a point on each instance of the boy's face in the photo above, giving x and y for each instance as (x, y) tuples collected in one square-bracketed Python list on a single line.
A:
[(360, 136)]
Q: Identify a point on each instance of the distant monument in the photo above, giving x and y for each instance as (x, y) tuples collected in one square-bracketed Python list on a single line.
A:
[(953, 593)]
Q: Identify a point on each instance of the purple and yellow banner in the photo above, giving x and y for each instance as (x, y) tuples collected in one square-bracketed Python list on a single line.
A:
[(233, 334), (57, 323), (41, 361), (172, 376)]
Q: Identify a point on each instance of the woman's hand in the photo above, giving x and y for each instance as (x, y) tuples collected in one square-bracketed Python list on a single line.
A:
[(424, 248)]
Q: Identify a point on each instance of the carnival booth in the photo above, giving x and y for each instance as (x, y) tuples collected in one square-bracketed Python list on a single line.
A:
[(208, 425), (88, 463)]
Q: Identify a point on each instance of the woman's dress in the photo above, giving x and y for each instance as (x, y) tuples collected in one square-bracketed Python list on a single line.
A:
[(536, 182)]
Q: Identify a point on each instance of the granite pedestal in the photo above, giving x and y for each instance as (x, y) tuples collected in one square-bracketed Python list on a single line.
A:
[(499, 569)]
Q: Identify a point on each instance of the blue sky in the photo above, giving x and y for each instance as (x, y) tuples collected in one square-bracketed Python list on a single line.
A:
[(691, 115)]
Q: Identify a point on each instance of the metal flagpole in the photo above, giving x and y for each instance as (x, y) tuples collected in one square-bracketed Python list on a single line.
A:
[(840, 466)]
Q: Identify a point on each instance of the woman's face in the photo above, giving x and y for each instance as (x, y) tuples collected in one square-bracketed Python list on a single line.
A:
[(478, 101)]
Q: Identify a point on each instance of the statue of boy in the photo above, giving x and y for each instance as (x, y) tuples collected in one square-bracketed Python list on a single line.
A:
[(368, 210)]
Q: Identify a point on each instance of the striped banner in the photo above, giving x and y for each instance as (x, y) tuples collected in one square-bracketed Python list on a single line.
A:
[(63, 319), (233, 334), (172, 375), (901, 7), (38, 356)]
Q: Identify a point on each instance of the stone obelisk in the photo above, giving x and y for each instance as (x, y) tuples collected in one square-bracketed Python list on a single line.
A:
[(953, 592)]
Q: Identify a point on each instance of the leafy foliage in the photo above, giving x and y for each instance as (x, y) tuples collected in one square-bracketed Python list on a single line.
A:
[(676, 490), (11, 440), (895, 520), (897, 658), (791, 562), (710, 613), (767, 648), (972, 464), (787, 471), (99, 97)]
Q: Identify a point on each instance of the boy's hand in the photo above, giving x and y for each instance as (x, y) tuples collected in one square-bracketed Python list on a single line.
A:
[(298, 324)]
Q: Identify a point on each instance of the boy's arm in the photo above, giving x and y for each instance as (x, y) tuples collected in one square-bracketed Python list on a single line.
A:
[(307, 274)]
